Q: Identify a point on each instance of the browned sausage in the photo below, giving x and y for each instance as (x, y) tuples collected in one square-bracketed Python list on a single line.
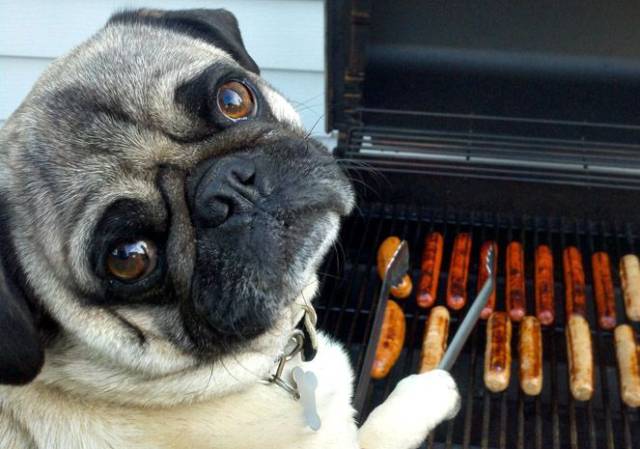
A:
[(435, 337), (459, 271), (545, 308), (530, 350), (604, 290), (430, 270), (628, 365), (385, 252), (574, 287), (630, 277), (391, 341), (497, 355), (483, 275), (580, 357), (515, 294)]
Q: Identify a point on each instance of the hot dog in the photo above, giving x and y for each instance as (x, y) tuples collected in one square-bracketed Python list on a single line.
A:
[(430, 270), (459, 272), (391, 341), (497, 355), (603, 290), (483, 275), (580, 357), (385, 252), (628, 365), (574, 286), (515, 294), (630, 277), (435, 337), (545, 308), (530, 350)]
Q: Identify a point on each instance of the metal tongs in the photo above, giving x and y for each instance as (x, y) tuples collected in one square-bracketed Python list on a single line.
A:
[(397, 267)]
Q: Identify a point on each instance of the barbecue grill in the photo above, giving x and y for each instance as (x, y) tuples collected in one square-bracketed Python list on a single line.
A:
[(508, 121)]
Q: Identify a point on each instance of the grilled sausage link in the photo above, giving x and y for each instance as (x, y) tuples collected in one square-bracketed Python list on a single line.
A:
[(497, 355), (459, 271), (430, 270), (515, 294), (580, 357), (628, 365), (385, 252), (604, 290), (574, 286), (530, 350), (483, 275), (630, 277), (435, 337), (545, 308), (391, 341)]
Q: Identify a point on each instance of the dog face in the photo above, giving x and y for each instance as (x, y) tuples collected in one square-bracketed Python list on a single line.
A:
[(162, 207)]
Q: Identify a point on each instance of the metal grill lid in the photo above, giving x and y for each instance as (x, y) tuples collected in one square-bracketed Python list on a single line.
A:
[(568, 72)]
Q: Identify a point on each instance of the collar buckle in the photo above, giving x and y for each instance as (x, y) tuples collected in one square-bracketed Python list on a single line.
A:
[(295, 345)]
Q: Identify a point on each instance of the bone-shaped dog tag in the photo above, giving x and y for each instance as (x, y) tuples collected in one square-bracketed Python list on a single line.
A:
[(307, 383)]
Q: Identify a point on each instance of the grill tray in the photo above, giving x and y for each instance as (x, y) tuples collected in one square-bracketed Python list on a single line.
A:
[(486, 420)]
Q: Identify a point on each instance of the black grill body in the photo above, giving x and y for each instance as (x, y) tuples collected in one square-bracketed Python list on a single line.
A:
[(511, 122)]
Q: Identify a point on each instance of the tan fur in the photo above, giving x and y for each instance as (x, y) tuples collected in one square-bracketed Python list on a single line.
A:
[(101, 386)]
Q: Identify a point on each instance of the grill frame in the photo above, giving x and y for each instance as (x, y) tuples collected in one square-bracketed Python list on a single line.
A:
[(568, 173)]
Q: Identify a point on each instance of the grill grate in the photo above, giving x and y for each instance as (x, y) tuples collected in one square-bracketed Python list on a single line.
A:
[(510, 419), (494, 147)]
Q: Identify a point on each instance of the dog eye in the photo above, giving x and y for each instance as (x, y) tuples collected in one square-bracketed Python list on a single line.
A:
[(235, 100), (132, 260)]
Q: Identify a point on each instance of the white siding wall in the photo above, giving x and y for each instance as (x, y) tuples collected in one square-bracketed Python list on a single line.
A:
[(285, 37)]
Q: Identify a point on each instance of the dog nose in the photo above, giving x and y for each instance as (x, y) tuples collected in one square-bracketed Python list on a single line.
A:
[(226, 189)]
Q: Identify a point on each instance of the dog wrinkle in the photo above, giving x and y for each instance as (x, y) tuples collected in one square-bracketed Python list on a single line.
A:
[(134, 329)]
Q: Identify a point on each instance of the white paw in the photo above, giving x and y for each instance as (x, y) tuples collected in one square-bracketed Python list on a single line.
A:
[(415, 407), (437, 388)]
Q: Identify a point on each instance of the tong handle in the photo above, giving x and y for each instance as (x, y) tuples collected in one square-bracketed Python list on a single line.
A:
[(397, 267)]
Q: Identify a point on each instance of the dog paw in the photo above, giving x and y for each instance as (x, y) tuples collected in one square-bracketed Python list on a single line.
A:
[(415, 407), (435, 388), (444, 388)]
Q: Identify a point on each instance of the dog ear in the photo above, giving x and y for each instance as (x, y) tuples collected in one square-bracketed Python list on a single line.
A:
[(216, 26), (21, 351)]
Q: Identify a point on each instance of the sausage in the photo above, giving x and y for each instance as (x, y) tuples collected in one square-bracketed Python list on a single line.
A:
[(497, 355), (574, 286), (630, 277), (580, 357), (430, 270), (483, 275), (530, 350), (544, 286), (385, 252), (628, 364), (604, 290), (435, 337), (391, 341), (459, 271), (515, 294)]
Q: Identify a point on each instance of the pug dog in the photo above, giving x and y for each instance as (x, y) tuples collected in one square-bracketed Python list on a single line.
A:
[(162, 216)]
